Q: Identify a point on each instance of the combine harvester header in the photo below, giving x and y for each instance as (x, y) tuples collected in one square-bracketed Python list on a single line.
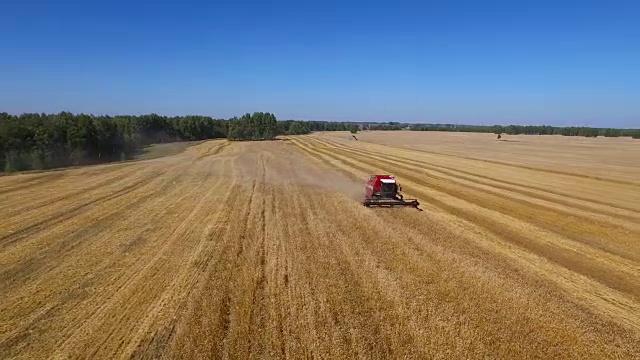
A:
[(383, 190)]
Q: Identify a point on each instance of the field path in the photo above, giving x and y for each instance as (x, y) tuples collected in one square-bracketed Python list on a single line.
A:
[(263, 250)]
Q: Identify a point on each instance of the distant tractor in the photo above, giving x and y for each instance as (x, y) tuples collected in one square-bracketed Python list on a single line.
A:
[(383, 190)]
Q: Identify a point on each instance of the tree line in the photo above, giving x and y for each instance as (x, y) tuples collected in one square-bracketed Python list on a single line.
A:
[(528, 130), (33, 141), (500, 129), (256, 126), (43, 141), (299, 127)]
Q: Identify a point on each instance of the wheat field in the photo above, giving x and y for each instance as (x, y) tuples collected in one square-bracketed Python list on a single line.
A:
[(525, 248)]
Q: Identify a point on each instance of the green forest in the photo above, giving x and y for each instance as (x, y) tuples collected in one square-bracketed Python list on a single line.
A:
[(43, 141), (256, 126)]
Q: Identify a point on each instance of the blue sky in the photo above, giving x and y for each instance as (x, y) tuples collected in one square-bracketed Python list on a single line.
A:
[(478, 62)]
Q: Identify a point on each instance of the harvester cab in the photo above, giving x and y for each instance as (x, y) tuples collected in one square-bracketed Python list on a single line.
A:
[(383, 190)]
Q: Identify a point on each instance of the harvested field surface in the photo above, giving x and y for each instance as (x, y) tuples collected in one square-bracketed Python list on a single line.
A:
[(167, 149), (528, 248)]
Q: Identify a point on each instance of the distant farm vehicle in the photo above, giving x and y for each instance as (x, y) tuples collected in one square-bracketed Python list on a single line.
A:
[(383, 190)]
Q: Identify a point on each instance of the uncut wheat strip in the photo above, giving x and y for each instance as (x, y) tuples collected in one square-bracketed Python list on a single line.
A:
[(589, 207), (596, 254), (624, 195), (596, 295)]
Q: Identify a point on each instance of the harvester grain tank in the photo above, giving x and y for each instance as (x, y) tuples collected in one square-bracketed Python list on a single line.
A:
[(383, 190)]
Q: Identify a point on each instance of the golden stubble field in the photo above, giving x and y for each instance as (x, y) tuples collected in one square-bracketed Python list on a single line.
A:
[(526, 248)]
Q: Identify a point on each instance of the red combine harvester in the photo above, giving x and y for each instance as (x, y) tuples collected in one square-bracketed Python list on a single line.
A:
[(382, 190)]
